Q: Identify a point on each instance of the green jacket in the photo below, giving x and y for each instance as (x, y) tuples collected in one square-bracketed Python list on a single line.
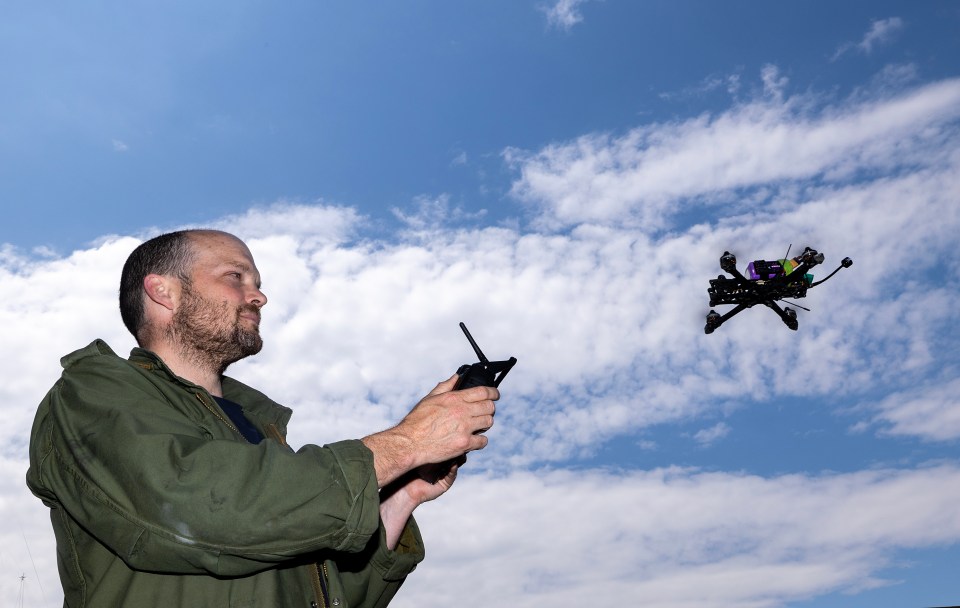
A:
[(157, 500)]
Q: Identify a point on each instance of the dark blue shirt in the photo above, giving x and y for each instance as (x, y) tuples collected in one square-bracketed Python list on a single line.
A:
[(235, 412)]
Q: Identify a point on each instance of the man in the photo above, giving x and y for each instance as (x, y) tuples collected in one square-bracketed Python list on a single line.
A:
[(170, 484)]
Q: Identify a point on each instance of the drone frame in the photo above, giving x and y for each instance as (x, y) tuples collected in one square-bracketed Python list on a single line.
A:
[(772, 285)]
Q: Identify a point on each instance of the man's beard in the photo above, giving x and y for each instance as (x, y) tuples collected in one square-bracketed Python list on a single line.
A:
[(210, 335)]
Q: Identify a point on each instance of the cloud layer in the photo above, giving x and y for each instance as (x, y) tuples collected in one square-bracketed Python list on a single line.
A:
[(674, 537)]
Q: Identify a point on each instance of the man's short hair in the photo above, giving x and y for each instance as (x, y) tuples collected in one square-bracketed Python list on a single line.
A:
[(168, 254)]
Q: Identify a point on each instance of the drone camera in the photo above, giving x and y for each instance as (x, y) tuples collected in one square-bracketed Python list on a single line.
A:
[(728, 262)]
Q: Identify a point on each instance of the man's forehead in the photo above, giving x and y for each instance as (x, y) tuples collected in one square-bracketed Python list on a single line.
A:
[(214, 247)]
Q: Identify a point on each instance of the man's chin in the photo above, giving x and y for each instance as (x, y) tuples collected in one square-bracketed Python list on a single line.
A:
[(248, 342), (251, 345), (242, 350)]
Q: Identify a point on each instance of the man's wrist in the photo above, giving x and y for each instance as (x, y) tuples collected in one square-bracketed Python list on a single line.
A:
[(392, 455)]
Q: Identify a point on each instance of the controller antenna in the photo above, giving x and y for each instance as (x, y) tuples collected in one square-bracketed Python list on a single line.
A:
[(473, 343)]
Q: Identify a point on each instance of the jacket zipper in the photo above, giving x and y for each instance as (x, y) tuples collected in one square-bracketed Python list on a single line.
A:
[(319, 572), (215, 411)]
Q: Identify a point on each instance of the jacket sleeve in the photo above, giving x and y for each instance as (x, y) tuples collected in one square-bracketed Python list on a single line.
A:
[(150, 479), (372, 577)]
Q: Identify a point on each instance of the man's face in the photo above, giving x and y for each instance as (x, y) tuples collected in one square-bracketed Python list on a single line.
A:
[(218, 318)]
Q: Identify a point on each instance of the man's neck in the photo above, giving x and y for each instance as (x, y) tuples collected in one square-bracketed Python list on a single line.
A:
[(191, 365)]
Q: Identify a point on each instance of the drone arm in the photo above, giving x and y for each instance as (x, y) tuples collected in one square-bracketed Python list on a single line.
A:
[(738, 275), (790, 320), (715, 320), (733, 311)]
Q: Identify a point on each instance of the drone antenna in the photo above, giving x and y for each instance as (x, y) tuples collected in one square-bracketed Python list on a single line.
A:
[(476, 348), (787, 257), (795, 304)]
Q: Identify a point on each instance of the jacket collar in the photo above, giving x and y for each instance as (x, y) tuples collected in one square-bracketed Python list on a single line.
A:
[(151, 361), (251, 399)]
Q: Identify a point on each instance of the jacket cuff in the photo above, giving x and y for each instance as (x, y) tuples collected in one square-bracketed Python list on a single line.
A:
[(356, 464), (395, 565)]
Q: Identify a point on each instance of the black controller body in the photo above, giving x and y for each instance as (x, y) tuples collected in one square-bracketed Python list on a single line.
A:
[(483, 372)]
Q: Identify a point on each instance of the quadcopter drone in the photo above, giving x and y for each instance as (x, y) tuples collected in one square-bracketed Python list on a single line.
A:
[(767, 283)]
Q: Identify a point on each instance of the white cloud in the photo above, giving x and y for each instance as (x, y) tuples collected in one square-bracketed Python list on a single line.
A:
[(708, 436), (896, 76), (316, 224), (881, 32), (643, 177), (931, 412), (675, 538), (431, 214), (563, 14), (774, 85), (729, 83)]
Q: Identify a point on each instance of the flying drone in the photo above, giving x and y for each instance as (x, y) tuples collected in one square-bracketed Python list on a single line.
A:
[(767, 283)]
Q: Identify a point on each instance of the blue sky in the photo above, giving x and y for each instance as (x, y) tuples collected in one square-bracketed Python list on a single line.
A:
[(563, 177)]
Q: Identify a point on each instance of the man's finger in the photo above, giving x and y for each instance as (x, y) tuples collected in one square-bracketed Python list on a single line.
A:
[(446, 386)]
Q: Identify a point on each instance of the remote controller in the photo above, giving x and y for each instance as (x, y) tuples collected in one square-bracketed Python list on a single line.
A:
[(483, 372)]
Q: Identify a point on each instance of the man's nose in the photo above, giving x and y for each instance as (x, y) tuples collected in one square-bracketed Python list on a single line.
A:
[(257, 297)]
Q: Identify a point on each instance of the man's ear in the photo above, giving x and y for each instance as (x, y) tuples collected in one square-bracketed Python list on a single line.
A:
[(161, 290)]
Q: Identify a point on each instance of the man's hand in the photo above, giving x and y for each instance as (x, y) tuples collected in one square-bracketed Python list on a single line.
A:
[(444, 425), (399, 499), (417, 460)]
